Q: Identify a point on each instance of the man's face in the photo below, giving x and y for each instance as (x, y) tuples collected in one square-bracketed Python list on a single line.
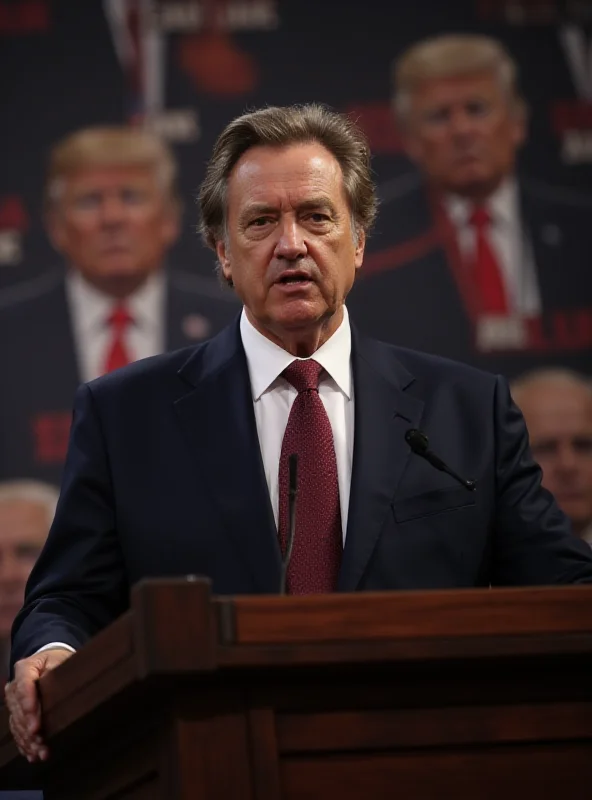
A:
[(290, 248), (24, 526), (463, 134), (113, 223), (559, 420)]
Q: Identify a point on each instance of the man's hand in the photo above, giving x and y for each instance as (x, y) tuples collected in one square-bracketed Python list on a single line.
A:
[(23, 702)]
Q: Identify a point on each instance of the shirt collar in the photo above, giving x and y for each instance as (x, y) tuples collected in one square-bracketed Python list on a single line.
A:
[(503, 204), (266, 360), (92, 307), (587, 534)]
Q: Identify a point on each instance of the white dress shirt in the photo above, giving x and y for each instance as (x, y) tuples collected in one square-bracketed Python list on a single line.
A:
[(273, 397), (508, 241), (90, 310)]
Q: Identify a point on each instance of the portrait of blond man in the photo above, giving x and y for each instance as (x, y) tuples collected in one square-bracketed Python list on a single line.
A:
[(112, 212), (471, 248)]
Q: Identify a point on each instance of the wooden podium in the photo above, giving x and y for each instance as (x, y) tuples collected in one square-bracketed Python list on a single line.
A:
[(458, 694)]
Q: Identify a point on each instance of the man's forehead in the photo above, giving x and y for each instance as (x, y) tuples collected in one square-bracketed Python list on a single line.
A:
[(22, 519), (20, 507), (305, 159), (562, 407), (452, 85), (109, 174), (299, 172)]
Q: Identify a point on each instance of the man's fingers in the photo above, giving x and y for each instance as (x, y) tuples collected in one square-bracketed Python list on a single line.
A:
[(18, 720), (23, 704), (30, 748), (23, 701), (25, 748)]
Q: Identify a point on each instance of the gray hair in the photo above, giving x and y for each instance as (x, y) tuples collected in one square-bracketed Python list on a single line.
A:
[(454, 55), (37, 492), (556, 376), (278, 126)]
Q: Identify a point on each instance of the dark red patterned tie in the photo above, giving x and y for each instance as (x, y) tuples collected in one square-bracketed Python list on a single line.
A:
[(118, 354), (491, 294), (318, 545)]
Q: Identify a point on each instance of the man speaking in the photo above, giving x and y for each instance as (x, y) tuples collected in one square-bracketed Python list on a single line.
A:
[(179, 463)]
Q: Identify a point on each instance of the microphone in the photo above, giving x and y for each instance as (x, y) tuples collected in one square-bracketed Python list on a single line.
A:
[(292, 493), (418, 442)]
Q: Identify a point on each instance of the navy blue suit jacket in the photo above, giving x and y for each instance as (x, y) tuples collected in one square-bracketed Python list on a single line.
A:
[(164, 476)]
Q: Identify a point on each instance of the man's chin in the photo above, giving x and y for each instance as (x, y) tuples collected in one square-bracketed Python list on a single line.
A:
[(473, 182), (296, 314), (116, 278), (118, 268)]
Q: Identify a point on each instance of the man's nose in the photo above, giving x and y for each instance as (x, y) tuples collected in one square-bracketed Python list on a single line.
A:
[(12, 568), (567, 459), (112, 211), (291, 244), (461, 123)]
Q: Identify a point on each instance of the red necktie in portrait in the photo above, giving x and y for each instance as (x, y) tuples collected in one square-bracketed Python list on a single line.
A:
[(318, 545), (488, 280), (117, 353)]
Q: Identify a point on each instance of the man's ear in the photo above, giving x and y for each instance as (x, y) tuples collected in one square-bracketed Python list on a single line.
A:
[(412, 146), (171, 226), (224, 261), (520, 129), (360, 246), (54, 227)]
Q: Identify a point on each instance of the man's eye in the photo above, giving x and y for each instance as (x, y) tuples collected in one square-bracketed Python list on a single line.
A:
[(133, 196), (437, 115), (317, 216), (583, 445), (28, 551), (87, 201), (477, 108), (259, 222), (544, 448)]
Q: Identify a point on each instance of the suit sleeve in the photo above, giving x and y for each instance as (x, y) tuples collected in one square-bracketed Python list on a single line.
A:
[(533, 543), (78, 585)]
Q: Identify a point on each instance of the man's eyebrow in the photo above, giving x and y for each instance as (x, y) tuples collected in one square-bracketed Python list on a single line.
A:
[(318, 203), (313, 203), (256, 210)]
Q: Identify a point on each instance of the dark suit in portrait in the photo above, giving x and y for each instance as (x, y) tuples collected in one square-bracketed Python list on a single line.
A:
[(411, 287), (39, 365), (170, 444)]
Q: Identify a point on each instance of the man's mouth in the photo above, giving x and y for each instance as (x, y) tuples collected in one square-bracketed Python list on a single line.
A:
[(294, 278)]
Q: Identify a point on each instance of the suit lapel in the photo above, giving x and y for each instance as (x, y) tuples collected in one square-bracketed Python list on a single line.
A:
[(383, 413), (217, 418)]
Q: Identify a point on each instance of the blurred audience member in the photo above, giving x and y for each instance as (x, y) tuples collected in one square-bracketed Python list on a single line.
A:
[(26, 512), (112, 211), (481, 249), (557, 407)]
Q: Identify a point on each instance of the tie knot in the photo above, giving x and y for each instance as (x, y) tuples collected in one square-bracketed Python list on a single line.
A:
[(480, 217), (120, 317), (303, 375)]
